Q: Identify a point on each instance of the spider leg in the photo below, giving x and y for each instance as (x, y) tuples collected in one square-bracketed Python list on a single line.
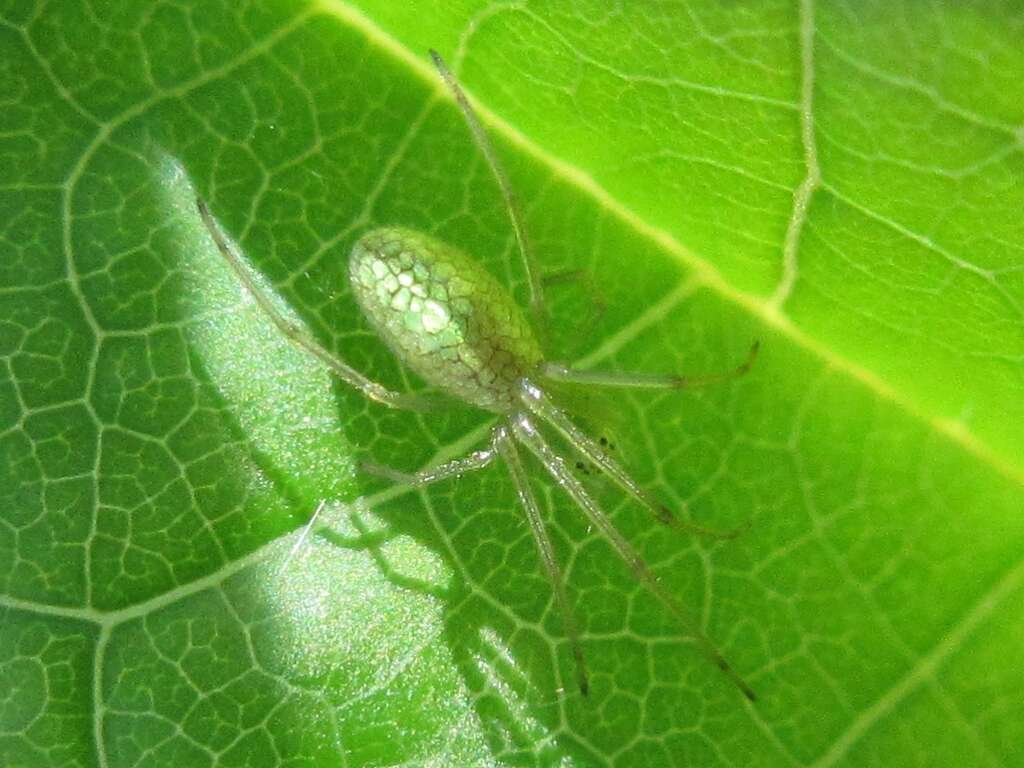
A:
[(454, 468), (541, 406), (293, 332), (474, 461), (510, 454), (562, 372), (527, 433), (537, 307)]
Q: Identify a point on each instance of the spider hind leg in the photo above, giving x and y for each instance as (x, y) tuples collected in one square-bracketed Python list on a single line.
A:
[(507, 449), (540, 405), (526, 433)]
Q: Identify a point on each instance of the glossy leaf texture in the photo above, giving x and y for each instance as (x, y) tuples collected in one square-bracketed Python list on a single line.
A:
[(842, 181)]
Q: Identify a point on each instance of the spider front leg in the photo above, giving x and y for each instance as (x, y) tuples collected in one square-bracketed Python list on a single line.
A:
[(295, 333)]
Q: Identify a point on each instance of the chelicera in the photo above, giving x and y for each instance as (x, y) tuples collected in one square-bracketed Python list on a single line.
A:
[(449, 320)]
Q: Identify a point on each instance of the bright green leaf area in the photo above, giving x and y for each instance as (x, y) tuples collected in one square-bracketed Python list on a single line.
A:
[(843, 181)]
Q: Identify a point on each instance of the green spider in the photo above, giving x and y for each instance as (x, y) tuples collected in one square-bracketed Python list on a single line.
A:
[(449, 320)]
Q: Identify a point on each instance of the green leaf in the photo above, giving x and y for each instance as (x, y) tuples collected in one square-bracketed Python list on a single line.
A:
[(842, 181)]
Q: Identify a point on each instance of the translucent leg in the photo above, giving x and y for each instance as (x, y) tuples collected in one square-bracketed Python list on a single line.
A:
[(537, 308), (562, 372), (456, 467), (294, 333), (476, 460), (508, 452), (541, 406), (527, 433)]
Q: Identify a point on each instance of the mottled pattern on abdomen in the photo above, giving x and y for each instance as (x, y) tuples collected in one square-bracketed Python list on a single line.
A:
[(444, 315)]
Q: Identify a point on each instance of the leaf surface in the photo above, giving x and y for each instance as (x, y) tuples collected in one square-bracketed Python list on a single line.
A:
[(841, 181)]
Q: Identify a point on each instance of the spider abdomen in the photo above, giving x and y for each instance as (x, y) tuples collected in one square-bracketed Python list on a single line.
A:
[(444, 316)]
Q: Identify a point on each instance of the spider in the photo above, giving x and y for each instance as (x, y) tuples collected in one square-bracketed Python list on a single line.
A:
[(449, 320)]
